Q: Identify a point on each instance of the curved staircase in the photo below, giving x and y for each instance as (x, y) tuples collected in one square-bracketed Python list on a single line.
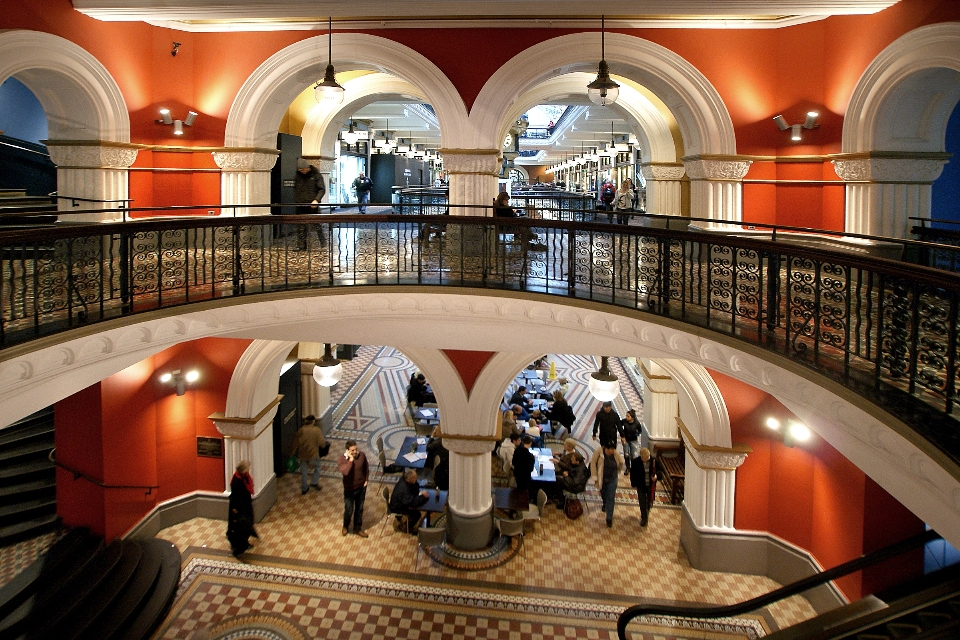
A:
[(84, 589), (28, 492)]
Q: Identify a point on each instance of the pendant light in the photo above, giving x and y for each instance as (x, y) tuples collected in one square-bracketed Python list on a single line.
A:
[(603, 90), (327, 90), (603, 385), (328, 370), (350, 137)]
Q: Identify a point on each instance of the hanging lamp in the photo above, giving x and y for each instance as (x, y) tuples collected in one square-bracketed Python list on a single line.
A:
[(328, 370), (350, 137), (327, 90), (603, 90), (603, 385)]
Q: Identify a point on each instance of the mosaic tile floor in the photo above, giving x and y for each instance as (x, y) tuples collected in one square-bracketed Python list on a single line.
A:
[(288, 572)]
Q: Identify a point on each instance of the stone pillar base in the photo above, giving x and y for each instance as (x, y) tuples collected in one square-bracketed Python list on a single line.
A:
[(470, 532)]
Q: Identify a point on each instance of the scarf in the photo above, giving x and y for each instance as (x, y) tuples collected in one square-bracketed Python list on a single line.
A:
[(247, 480)]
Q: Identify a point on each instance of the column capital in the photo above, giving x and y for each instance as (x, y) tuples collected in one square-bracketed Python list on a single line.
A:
[(662, 170), (472, 161), (718, 458), (467, 445), (889, 167), (322, 163), (716, 167), (246, 428), (246, 159), (91, 154)]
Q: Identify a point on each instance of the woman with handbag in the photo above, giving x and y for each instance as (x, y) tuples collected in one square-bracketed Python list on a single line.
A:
[(240, 518)]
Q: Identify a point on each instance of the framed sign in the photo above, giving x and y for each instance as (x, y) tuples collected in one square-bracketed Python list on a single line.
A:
[(209, 447)]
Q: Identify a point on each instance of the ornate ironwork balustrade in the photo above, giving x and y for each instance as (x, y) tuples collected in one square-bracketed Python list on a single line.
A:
[(887, 330)]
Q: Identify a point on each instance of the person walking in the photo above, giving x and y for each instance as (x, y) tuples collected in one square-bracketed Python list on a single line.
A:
[(308, 191), (607, 425), (356, 472), (240, 517), (306, 446), (605, 467), (642, 477), (362, 186), (630, 437), (623, 201)]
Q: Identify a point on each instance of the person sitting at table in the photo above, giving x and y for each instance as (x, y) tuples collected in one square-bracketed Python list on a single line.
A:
[(561, 461), (507, 449), (508, 425), (533, 430), (520, 397), (418, 392), (523, 463), (561, 412), (407, 499), (519, 412), (574, 479)]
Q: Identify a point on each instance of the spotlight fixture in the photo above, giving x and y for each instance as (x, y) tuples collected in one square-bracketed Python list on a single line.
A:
[(794, 433), (603, 90), (179, 380), (796, 130), (177, 124), (604, 386), (328, 370), (327, 90), (176, 47)]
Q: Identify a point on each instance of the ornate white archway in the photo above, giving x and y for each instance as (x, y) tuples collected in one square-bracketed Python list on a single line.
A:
[(259, 106), (894, 129), (88, 123)]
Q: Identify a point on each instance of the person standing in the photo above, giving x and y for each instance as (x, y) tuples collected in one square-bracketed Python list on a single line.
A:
[(308, 191), (306, 446), (630, 437), (607, 425), (362, 186), (240, 518), (523, 463), (407, 499), (642, 477), (356, 472), (605, 467), (623, 201)]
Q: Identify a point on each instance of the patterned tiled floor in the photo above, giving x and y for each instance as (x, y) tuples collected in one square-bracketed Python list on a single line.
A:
[(580, 561)]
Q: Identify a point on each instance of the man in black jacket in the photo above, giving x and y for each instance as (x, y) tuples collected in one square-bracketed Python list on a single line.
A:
[(523, 462), (607, 424), (407, 499), (308, 187)]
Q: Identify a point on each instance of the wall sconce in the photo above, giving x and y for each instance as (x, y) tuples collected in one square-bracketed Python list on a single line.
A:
[(328, 370), (179, 380), (795, 431), (177, 124), (604, 386), (795, 129)]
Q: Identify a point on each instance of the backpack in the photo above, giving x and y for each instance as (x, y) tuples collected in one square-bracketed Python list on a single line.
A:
[(608, 192)]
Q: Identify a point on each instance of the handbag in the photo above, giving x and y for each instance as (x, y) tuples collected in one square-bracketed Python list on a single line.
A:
[(293, 464), (325, 450), (573, 509)]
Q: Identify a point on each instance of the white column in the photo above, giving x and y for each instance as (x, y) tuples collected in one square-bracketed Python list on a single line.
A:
[(470, 486), (93, 170), (710, 482), (660, 402), (715, 186), (884, 190), (663, 187), (245, 179), (473, 178), (248, 439)]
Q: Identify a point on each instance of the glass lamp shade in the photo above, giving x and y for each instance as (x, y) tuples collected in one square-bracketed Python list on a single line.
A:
[(350, 137), (603, 91), (327, 374), (603, 390), (327, 90)]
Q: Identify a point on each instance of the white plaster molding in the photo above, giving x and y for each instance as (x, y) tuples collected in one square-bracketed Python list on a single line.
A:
[(716, 169), (521, 323), (705, 125), (674, 171), (890, 170), (702, 408), (900, 101), (718, 460), (256, 378), (471, 161), (79, 96), (90, 156), (245, 161)]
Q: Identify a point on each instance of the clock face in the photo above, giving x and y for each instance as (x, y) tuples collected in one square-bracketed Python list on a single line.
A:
[(507, 141)]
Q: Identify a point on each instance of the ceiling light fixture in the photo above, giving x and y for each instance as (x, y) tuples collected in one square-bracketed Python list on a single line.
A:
[(603, 90), (604, 386), (177, 124), (796, 130), (328, 370), (179, 380), (327, 90)]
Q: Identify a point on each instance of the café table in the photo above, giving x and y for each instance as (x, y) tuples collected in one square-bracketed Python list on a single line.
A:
[(407, 447), (436, 502), (427, 415), (543, 469), (511, 498), (538, 403), (530, 374)]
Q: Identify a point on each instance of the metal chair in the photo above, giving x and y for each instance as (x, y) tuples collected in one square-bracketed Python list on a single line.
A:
[(428, 537), (385, 494), (383, 463), (535, 512), (510, 527)]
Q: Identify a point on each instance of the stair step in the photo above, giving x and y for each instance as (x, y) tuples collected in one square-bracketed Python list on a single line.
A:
[(43, 485), (112, 622), (25, 451), (161, 597), (29, 528), (23, 509), (24, 583), (84, 618), (11, 472), (13, 434)]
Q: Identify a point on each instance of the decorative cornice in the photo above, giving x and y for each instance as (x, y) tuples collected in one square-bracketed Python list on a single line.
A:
[(246, 428), (646, 373), (87, 156), (890, 168), (730, 168), (245, 160), (471, 161), (720, 458), (662, 171)]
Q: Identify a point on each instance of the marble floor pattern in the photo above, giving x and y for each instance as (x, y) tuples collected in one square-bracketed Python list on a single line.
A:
[(580, 563)]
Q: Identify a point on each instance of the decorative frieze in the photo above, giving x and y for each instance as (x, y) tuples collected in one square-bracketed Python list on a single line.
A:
[(717, 458), (246, 160), (716, 168), (662, 171), (472, 161), (91, 154), (915, 169)]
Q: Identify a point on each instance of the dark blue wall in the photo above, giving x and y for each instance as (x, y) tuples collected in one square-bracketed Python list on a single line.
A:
[(946, 190), (21, 115)]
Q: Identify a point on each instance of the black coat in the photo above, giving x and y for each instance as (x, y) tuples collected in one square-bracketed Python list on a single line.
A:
[(406, 496), (309, 186), (523, 463), (562, 413), (608, 426), (638, 479), (576, 480), (630, 431), (240, 516)]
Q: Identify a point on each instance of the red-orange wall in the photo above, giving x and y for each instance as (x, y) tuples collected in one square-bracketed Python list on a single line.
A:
[(811, 495), (758, 74), (131, 429)]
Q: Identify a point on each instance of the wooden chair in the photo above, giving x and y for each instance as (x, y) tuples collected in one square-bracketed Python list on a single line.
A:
[(385, 494), (510, 527), (428, 537), (670, 469)]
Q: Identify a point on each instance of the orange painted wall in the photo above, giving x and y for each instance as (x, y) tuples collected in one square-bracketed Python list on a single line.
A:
[(134, 430), (811, 495)]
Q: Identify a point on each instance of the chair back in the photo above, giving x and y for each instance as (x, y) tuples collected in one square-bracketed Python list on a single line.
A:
[(541, 501), (385, 494), (431, 536), (509, 527), (383, 459), (380, 443)]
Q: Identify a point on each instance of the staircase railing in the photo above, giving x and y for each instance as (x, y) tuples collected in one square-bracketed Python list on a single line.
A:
[(80, 475), (721, 611)]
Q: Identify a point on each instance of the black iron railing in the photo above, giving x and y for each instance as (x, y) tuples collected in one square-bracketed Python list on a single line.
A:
[(886, 329)]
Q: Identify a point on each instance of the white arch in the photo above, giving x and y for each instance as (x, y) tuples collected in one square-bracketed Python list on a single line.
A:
[(265, 96), (704, 122), (901, 102), (256, 378), (322, 126), (79, 96)]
